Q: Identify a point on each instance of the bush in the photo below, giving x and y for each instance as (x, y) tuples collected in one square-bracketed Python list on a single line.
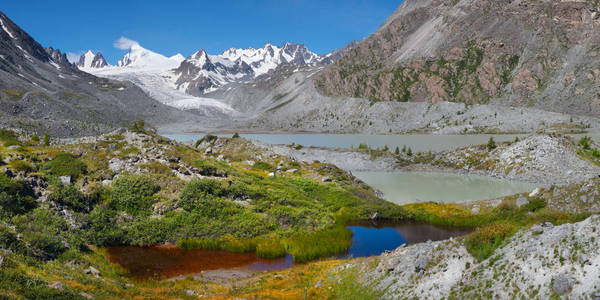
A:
[(235, 136), (483, 242), (15, 196), (22, 166), (131, 193), (65, 164), (72, 197), (491, 145), (585, 142), (46, 139)]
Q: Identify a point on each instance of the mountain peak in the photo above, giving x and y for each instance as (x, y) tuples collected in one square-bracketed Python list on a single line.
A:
[(140, 57), (90, 60)]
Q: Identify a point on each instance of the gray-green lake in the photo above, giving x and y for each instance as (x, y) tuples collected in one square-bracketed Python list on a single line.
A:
[(410, 187)]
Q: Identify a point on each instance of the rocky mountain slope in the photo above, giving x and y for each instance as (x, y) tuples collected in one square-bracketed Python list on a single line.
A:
[(41, 91), (540, 54)]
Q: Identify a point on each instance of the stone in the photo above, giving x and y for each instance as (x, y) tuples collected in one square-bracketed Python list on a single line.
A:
[(375, 216), (326, 179), (292, 171), (534, 192), (318, 284), (1, 260), (190, 292), (583, 258), (65, 179), (475, 210), (537, 229), (91, 270), (522, 201), (421, 264), (562, 283), (57, 285), (548, 224), (250, 163), (13, 147), (208, 150), (271, 174), (86, 295)]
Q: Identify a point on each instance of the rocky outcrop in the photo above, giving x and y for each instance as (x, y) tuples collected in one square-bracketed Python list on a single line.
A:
[(539, 54), (563, 260)]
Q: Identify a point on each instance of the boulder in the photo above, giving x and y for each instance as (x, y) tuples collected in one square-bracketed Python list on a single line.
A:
[(421, 264), (475, 210), (91, 270), (292, 171), (65, 179), (534, 192), (271, 174), (562, 283), (326, 179)]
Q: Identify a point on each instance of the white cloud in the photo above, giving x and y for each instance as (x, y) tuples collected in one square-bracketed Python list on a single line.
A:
[(73, 57), (124, 43)]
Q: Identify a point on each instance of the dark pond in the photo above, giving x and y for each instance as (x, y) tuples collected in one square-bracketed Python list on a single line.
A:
[(169, 261)]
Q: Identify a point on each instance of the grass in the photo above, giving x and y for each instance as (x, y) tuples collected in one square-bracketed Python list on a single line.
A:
[(14, 93), (483, 242)]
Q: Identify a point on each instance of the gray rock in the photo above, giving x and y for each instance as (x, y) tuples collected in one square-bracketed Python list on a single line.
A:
[(475, 210), (57, 285), (91, 270), (292, 171), (318, 284), (562, 283), (65, 179), (13, 147), (208, 150), (190, 292), (1, 260), (522, 201), (375, 216), (271, 174), (537, 229), (326, 179), (421, 264)]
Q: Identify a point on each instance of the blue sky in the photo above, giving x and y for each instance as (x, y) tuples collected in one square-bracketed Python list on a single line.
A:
[(171, 27)]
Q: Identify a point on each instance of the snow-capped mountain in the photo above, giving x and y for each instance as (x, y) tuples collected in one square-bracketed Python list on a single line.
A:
[(201, 73), (90, 60), (139, 57)]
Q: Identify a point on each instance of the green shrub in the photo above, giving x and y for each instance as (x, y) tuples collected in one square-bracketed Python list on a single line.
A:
[(235, 135), (42, 232), (65, 164), (198, 192), (585, 142), (15, 196), (70, 196), (138, 127), (131, 193), (35, 139), (46, 139), (21, 166), (483, 242), (491, 145)]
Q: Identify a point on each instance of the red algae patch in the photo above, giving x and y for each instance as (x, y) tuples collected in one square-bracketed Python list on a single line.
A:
[(168, 261)]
